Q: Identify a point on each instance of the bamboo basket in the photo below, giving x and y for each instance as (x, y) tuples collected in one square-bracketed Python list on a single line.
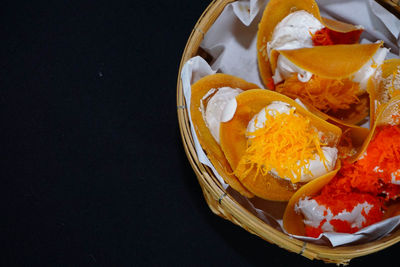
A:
[(222, 204), (392, 5)]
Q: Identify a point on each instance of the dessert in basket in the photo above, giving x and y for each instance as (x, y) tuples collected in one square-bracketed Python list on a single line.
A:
[(266, 143), (303, 55)]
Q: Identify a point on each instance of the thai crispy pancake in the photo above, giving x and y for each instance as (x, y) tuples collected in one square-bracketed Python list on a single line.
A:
[(335, 63), (207, 141), (234, 142), (277, 10), (292, 221)]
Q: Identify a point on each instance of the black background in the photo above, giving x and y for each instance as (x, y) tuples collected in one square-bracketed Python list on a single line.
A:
[(93, 169)]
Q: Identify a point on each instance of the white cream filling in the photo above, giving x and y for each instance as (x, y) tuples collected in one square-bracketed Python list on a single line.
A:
[(229, 110), (314, 214), (285, 68), (214, 113), (258, 121), (294, 31), (367, 70), (315, 166)]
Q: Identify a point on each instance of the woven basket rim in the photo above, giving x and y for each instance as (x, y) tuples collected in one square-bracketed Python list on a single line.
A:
[(222, 204)]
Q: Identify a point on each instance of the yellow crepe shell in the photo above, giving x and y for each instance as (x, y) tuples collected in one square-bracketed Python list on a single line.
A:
[(332, 61), (384, 85), (234, 142), (207, 141)]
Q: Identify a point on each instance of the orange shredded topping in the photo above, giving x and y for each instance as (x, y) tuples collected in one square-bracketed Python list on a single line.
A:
[(285, 144), (367, 180), (324, 94)]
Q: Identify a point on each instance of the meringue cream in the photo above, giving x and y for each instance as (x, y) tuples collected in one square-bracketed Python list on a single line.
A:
[(213, 114), (316, 167)]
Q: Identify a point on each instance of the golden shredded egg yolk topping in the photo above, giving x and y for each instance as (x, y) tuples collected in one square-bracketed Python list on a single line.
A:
[(285, 144), (324, 94)]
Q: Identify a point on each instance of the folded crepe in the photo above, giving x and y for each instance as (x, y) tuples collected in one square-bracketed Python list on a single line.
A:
[(276, 11), (337, 87), (259, 163), (329, 77), (200, 95)]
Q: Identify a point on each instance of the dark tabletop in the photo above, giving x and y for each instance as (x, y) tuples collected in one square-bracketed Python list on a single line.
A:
[(93, 168)]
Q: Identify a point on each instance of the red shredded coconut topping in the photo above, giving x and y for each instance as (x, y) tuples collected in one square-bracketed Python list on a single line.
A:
[(343, 199), (382, 160), (322, 37), (367, 180), (326, 36)]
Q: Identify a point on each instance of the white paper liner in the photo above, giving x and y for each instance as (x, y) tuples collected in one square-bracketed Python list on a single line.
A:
[(231, 41)]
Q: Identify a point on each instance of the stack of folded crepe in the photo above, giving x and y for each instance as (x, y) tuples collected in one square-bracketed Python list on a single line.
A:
[(317, 60)]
